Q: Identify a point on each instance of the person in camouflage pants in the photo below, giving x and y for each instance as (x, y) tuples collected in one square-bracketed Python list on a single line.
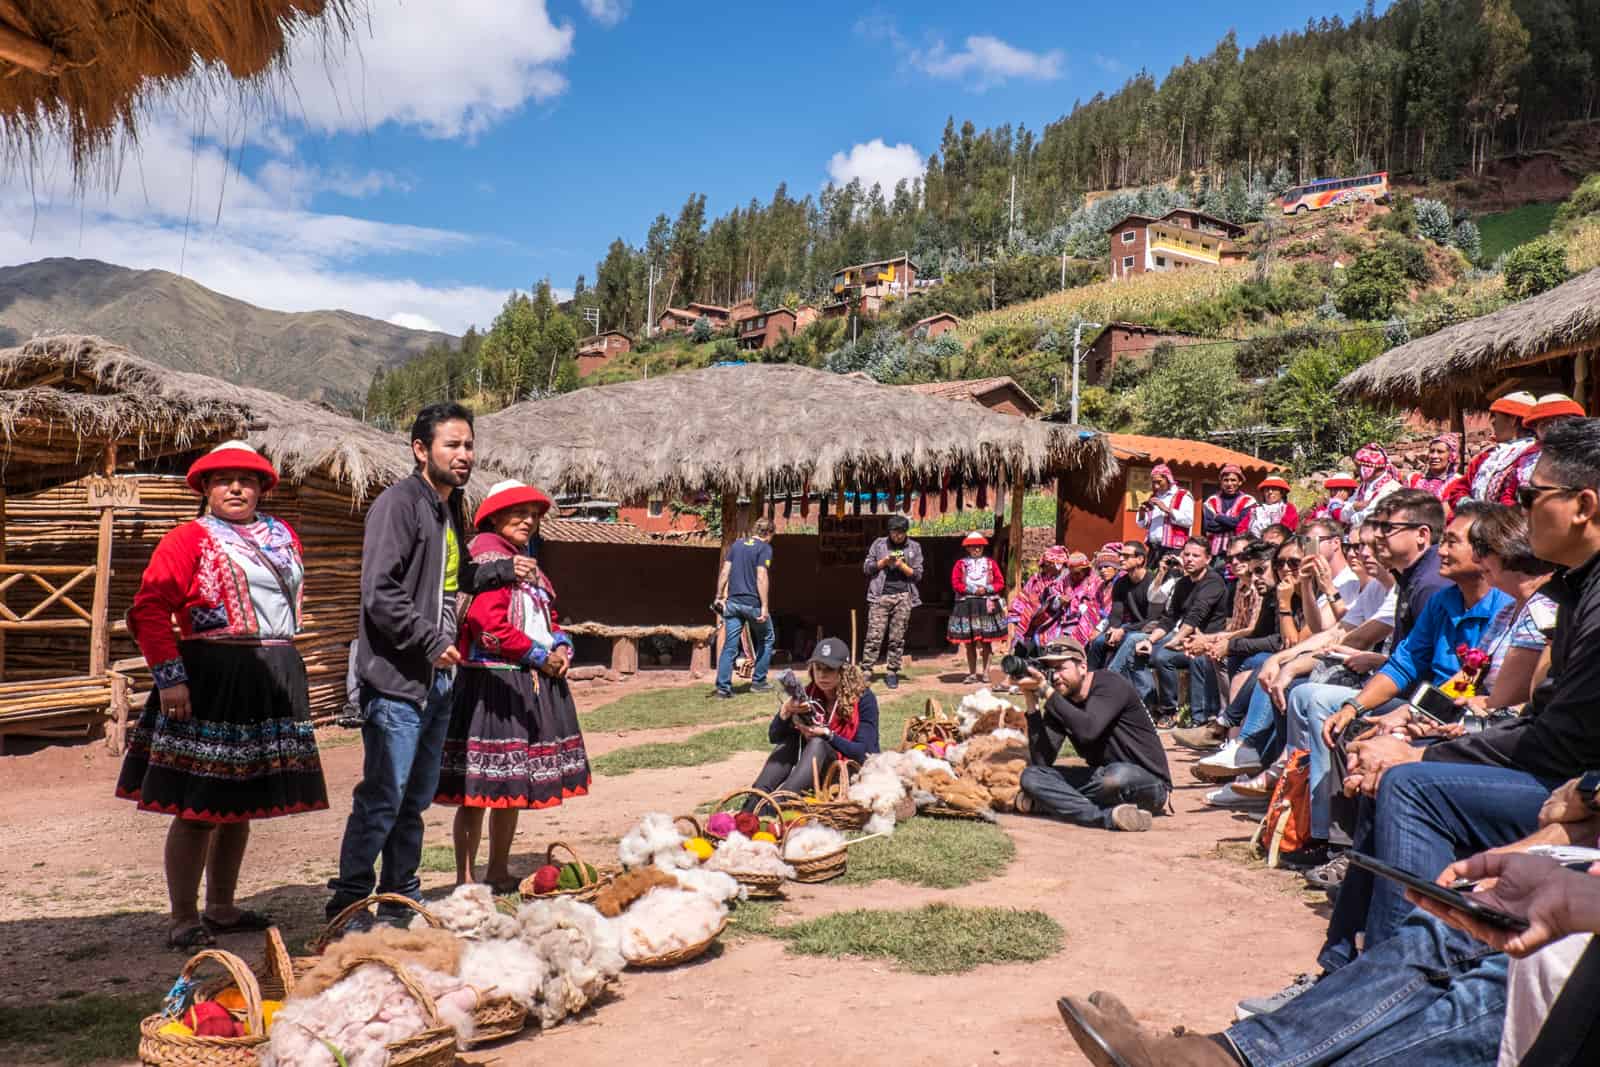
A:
[(894, 563)]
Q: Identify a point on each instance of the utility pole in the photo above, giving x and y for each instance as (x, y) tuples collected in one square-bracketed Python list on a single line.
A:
[(1063, 268), (1011, 227), (1077, 358), (650, 300)]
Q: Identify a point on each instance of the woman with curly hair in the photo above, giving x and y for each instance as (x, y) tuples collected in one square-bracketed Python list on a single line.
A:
[(838, 719)]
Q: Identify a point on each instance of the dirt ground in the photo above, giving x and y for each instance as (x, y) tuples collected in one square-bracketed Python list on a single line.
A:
[(1174, 920)]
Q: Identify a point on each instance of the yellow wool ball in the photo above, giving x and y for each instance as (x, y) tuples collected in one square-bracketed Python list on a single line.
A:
[(175, 1029), (699, 847), (269, 1008), (764, 836)]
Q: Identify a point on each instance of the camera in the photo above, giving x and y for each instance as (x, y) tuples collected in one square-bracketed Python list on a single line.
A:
[(1171, 563), (716, 608), (795, 689), (1016, 666)]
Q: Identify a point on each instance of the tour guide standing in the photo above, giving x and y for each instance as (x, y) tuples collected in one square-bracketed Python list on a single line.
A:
[(894, 564), (1167, 514), (1126, 781), (743, 590), (413, 562)]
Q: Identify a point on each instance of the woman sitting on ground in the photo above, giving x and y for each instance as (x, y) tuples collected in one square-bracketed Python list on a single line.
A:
[(513, 741), (226, 736), (838, 720), (978, 620)]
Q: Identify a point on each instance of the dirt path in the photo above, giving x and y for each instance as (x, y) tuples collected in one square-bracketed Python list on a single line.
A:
[(1177, 924)]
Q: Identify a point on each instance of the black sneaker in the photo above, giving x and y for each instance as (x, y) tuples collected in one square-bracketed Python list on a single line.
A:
[(892, 680), (761, 687), (1304, 859)]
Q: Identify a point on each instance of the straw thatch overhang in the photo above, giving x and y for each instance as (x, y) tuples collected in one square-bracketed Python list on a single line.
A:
[(765, 429), (1460, 367), (107, 390), (80, 70)]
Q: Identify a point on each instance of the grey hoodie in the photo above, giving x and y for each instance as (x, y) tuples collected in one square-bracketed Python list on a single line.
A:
[(402, 588)]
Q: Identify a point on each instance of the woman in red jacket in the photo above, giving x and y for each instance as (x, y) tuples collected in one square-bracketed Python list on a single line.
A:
[(978, 620), (514, 740), (226, 736)]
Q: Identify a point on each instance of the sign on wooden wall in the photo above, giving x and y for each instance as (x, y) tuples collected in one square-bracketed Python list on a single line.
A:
[(1138, 486), (113, 492), (844, 540)]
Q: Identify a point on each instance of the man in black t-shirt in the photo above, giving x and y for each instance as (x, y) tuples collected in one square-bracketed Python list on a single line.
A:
[(742, 593), (1130, 606), (1198, 605), (1126, 781)]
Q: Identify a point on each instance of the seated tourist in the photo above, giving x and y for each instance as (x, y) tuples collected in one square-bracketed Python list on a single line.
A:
[(838, 720), (1196, 606), (1126, 780), (1130, 604)]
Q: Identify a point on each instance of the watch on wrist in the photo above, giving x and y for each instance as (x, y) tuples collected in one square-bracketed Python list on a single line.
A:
[(1588, 787)]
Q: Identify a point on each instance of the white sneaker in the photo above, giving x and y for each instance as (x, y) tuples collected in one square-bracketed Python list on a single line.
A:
[(1227, 763), (1227, 798)]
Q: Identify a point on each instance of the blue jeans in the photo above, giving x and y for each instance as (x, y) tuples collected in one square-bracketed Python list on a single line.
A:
[(1166, 661), (735, 617), (1134, 668), (1429, 996), (1264, 730), (1426, 816), (1097, 650), (1086, 795), (1234, 713), (399, 777)]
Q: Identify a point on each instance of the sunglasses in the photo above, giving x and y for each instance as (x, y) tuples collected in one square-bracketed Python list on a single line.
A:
[(1288, 561), (1387, 528), (1528, 495)]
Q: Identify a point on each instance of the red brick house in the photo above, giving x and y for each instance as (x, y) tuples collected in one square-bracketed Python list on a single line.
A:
[(717, 315), (997, 394), (867, 287), (1120, 340), (744, 309), (673, 320), (598, 351), (1183, 238), (932, 326), (767, 328)]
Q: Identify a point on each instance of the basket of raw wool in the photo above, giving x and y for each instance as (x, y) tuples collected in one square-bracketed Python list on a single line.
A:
[(749, 846), (575, 878), (932, 725), (817, 852), (335, 928), (830, 802), (186, 1034), (434, 1046)]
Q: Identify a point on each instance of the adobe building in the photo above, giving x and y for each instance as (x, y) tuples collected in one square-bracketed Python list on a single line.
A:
[(599, 350), (933, 326), (1181, 239), (1120, 340)]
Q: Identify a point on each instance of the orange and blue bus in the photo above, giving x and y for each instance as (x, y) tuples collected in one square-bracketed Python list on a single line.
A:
[(1314, 196)]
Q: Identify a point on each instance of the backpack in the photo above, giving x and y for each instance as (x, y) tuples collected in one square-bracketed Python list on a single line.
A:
[(1287, 825)]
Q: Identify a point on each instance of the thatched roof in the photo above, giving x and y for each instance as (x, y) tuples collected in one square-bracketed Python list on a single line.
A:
[(739, 429), (1466, 361), (79, 68), (111, 392)]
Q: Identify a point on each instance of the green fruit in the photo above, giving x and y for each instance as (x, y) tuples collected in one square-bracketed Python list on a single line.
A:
[(571, 878)]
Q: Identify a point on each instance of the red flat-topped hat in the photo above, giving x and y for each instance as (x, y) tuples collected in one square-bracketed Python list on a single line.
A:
[(231, 456), (1552, 404), (1518, 403), (506, 494), (974, 538), (1274, 482), (1341, 481)]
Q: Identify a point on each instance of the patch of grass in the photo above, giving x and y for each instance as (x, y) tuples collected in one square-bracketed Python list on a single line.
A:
[(80, 1030), (937, 853), (659, 709), (1506, 230), (755, 918), (440, 859), (708, 746), (934, 939)]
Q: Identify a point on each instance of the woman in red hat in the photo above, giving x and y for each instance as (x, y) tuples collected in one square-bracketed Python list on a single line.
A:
[(1442, 470), (1548, 411), (514, 740), (1274, 508), (226, 736), (978, 620), (1339, 488)]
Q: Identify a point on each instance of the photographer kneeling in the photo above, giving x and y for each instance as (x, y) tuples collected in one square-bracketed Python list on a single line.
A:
[(838, 719), (1126, 781)]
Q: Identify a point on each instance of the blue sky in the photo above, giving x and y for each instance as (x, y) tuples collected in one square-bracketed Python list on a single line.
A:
[(456, 150)]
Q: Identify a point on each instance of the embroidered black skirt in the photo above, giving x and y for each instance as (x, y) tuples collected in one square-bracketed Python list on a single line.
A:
[(247, 751), (514, 742), (977, 618)]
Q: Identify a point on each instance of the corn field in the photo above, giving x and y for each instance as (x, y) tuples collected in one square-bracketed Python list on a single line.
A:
[(1583, 248), (1135, 298)]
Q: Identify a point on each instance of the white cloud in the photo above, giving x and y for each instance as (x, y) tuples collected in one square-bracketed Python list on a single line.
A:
[(607, 12), (448, 68), (413, 322), (876, 163), (988, 61)]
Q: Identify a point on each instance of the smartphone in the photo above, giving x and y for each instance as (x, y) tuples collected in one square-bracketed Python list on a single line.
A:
[(1432, 704), (1450, 898), (1333, 657)]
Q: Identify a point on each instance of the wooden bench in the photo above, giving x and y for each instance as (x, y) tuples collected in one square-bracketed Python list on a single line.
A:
[(625, 643)]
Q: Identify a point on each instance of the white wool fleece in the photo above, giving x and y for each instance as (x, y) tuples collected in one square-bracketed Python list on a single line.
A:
[(665, 920), (657, 840), (811, 841)]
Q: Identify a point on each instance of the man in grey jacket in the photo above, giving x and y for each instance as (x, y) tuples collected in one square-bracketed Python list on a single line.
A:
[(413, 562), (894, 564)]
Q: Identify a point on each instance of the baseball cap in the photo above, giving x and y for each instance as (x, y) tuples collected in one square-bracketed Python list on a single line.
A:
[(831, 652), (1061, 650)]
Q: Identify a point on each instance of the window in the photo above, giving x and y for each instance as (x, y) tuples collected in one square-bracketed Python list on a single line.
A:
[(1127, 262), (1161, 261), (656, 507), (1128, 236)]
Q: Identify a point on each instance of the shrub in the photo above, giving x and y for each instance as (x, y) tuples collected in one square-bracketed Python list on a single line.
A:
[(1401, 217), (1469, 240), (1411, 255), (1584, 201), (701, 332), (1190, 393), (1373, 285), (1433, 221), (1535, 267)]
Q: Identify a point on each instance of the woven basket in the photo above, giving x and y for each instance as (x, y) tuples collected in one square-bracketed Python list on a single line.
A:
[(946, 811), (433, 1047), (818, 868), (585, 893), (831, 804), (764, 800), (757, 886), (496, 1016), (179, 1050), (680, 955), (932, 725)]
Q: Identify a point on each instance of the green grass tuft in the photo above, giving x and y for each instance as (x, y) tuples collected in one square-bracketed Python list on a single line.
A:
[(936, 853), (440, 859), (80, 1030), (934, 939), (708, 746), (693, 705), (755, 918), (1508, 229)]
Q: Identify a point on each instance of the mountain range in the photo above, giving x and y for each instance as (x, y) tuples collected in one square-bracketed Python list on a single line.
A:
[(327, 356)]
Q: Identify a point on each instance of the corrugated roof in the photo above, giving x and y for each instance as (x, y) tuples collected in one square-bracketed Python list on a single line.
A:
[(970, 389), (1180, 450), (577, 531)]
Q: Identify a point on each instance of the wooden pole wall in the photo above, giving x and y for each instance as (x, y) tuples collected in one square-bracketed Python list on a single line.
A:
[(100, 623), (1019, 492), (1062, 510)]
